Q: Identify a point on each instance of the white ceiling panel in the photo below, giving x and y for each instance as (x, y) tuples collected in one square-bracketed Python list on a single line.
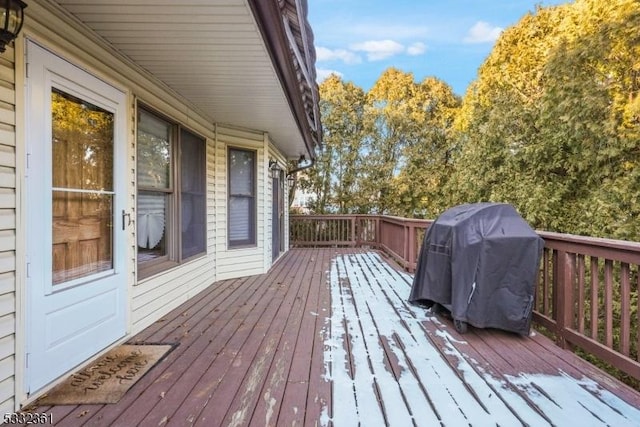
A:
[(209, 51)]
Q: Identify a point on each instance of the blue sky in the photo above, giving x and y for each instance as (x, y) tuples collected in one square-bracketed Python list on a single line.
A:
[(448, 39)]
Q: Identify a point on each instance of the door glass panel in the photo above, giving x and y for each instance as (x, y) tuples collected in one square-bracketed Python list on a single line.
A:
[(82, 139), (82, 244), (82, 144)]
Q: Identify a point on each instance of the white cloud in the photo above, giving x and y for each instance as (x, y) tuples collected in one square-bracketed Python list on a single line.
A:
[(382, 29), (322, 74), (416, 49), (482, 32), (346, 56), (378, 49), (375, 50)]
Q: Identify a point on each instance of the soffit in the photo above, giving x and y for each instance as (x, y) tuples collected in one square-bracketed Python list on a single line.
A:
[(211, 52)]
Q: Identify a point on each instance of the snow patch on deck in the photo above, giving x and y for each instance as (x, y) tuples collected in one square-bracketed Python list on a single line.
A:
[(385, 370)]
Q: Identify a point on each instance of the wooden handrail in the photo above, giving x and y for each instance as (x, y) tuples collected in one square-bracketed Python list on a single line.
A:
[(587, 292)]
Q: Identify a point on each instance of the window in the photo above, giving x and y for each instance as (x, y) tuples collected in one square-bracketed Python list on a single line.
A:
[(242, 197), (171, 203)]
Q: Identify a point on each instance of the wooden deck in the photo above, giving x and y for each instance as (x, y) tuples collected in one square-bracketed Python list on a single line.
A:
[(327, 338)]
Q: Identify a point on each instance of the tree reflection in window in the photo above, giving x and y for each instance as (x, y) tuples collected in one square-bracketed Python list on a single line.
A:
[(82, 196), (154, 184)]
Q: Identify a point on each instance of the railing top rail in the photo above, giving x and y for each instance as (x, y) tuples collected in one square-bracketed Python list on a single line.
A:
[(570, 242), (365, 216), (401, 220), (590, 241), (616, 250), (547, 235), (328, 216)]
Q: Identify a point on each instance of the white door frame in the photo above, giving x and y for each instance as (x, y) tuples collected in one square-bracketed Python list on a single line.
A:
[(47, 70)]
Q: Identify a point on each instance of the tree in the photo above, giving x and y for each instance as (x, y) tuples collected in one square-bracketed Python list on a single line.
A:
[(590, 111), (407, 126), (420, 185), (551, 123), (498, 119), (334, 180)]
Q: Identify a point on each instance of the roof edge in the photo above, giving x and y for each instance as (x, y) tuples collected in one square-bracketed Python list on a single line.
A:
[(289, 41)]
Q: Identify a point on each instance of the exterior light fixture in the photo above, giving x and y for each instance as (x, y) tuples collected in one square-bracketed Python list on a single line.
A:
[(291, 180), (11, 20), (274, 169)]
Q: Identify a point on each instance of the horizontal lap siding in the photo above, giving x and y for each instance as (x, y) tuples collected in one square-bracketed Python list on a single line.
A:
[(7, 230), (247, 261), (149, 299), (158, 295)]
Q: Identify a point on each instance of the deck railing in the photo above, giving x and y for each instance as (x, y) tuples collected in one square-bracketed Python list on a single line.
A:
[(399, 237), (587, 295)]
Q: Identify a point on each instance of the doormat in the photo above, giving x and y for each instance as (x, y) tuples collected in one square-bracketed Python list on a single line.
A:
[(107, 378)]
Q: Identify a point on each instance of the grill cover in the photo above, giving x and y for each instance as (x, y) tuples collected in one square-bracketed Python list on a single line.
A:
[(480, 261)]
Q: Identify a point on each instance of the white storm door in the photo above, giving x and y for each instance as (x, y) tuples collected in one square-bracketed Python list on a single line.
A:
[(76, 281)]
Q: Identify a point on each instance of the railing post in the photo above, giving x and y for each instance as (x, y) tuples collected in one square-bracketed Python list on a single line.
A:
[(563, 293), (354, 242), (405, 250), (411, 266)]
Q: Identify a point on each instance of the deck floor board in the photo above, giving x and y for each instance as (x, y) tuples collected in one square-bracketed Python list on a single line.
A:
[(327, 338)]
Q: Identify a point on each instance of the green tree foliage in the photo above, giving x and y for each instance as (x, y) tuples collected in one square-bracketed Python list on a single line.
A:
[(386, 151), (590, 107), (334, 181), (394, 118), (420, 184), (552, 125)]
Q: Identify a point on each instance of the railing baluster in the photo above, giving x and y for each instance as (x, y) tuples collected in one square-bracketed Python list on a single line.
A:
[(608, 302), (638, 314), (580, 267), (625, 309), (545, 282), (595, 283), (556, 285), (565, 301), (353, 231), (411, 256)]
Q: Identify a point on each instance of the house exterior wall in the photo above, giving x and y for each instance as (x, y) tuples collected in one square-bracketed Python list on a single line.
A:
[(243, 261), (151, 298), (8, 221)]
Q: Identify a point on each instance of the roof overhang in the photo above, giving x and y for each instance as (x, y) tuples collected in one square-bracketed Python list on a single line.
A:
[(245, 63)]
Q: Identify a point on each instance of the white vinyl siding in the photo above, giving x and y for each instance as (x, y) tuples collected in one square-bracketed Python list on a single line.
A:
[(7, 231), (153, 297), (156, 296), (239, 262)]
